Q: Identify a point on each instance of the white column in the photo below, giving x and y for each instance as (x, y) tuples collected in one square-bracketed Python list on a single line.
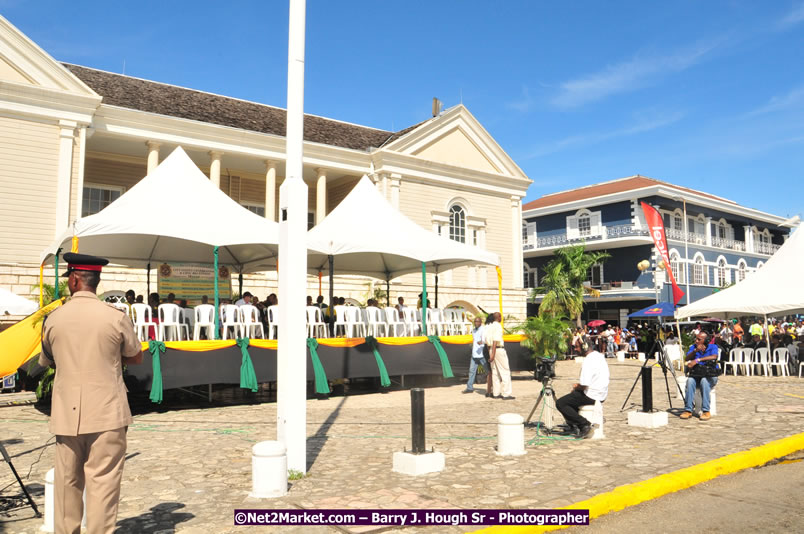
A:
[(708, 229), (82, 151), (270, 190), (749, 238), (65, 172), (396, 182), (515, 278), (321, 196), (153, 156), (291, 383), (215, 168)]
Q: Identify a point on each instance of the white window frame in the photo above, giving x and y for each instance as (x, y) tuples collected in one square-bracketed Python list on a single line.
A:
[(595, 225), (742, 270), (527, 271), (696, 265), (678, 217), (90, 185), (454, 230), (677, 266), (721, 272)]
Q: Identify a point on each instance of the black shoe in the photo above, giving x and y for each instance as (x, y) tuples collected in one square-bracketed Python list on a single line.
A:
[(489, 395), (510, 397), (468, 391), (584, 432)]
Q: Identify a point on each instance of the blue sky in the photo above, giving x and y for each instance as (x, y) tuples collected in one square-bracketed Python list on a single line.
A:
[(709, 95)]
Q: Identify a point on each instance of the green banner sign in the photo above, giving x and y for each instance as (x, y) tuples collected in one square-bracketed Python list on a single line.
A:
[(192, 281)]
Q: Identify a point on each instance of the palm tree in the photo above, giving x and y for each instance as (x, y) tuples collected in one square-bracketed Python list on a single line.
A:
[(562, 286)]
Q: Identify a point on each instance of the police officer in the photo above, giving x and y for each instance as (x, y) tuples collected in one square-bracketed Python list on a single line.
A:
[(88, 342)]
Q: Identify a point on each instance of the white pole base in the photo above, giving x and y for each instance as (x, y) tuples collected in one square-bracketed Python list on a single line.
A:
[(641, 356), (510, 435), (594, 414), (418, 464), (620, 356), (647, 420), (269, 470)]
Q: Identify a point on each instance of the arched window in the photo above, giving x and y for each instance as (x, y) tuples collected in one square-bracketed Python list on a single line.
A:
[(741, 270), (678, 221), (676, 267), (722, 232), (721, 273), (529, 277), (457, 223), (585, 224), (760, 265), (698, 271)]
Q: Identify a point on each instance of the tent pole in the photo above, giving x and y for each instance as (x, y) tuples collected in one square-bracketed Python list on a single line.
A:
[(148, 282), (41, 284), (436, 291), (331, 260), (240, 284), (387, 291), (499, 288), (767, 333), (217, 301), (56, 269), (424, 299)]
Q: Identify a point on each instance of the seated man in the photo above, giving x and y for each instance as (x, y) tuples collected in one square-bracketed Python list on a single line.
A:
[(245, 299), (703, 370), (593, 386)]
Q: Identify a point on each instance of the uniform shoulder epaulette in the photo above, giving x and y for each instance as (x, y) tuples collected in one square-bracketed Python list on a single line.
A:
[(113, 307)]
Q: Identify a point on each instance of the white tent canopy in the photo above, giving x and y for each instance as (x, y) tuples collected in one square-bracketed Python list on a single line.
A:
[(13, 304), (368, 236), (176, 214), (775, 289)]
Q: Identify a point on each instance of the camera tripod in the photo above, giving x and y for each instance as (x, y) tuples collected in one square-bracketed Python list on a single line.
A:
[(31, 502), (658, 346), (548, 395)]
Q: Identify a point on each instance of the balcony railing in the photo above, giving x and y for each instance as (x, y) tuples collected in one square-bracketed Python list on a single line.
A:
[(629, 230)]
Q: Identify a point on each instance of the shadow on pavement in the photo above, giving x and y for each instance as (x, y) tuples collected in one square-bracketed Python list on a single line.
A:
[(160, 518)]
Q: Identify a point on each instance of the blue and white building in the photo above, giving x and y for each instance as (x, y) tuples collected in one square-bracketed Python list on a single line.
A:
[(713, 241)]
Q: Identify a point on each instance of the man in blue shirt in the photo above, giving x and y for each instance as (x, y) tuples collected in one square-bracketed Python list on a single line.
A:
[(701, 362), (477, 355)]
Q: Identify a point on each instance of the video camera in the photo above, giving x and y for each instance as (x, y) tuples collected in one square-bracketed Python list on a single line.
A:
[(545, 369)]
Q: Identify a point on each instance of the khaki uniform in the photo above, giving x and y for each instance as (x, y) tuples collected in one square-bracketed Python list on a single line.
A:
[(89, 412), (501, 372)]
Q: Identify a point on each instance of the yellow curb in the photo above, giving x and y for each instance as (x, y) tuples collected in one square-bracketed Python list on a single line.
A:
[(633, 494), (796, 396)]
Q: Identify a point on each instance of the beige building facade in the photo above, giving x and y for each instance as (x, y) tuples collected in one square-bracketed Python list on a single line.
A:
[(73, 139)]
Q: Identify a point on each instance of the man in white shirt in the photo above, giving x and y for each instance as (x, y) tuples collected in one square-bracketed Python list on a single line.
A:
[(592, 386), (498, 359), (245, 300)]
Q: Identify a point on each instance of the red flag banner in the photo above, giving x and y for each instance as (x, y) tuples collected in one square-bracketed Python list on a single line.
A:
[(656, 228)]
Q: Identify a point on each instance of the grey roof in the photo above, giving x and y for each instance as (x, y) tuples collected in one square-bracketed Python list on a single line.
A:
[(163, 99)]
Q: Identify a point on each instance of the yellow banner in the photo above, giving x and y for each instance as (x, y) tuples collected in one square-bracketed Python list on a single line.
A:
[(23, 341)]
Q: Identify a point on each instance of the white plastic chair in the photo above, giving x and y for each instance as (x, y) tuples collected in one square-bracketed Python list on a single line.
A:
[(340, 320), (250, 317), (393, 321), (673, 354), (780, 359), (412, 323), (273, 321), (355, 327), (454, 319), (435, 322), (204, 318), (230, 319), (316, 327), (734, 361), (747, 358), (762, 359), (375, 322), (142, 316), (171, 325)]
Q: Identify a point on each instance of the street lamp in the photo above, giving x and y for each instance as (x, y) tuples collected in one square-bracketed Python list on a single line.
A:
[(644, 266)]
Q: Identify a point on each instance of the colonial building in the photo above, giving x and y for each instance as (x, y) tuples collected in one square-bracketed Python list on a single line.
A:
[(713, 241), (73, 139)]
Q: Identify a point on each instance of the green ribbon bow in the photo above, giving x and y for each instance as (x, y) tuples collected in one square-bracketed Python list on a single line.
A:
[(156, 347), (321, 383), (446, 368), (248, 378), (385, 380)]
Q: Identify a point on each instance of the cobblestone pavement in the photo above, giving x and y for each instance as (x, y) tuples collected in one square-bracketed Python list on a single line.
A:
[(189, 467)]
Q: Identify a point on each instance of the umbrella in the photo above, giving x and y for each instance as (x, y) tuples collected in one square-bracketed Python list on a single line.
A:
[(596, 322), (660, 309)]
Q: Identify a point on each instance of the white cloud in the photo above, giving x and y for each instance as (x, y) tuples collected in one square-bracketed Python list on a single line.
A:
[(599, 137), (795, 16), (778, 103), (627, 76), (524, 103)]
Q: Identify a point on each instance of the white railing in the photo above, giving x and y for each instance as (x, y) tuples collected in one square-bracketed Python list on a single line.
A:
[(765, 248), (728, 243), (678, 235), (625, 230)]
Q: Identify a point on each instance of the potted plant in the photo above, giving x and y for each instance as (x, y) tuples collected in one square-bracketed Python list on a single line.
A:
[(547, 336)]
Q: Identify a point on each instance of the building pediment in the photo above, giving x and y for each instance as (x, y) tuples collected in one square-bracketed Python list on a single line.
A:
[(456, 138)]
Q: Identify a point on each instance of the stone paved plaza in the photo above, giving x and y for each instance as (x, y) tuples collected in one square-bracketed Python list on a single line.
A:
[(189, 466)]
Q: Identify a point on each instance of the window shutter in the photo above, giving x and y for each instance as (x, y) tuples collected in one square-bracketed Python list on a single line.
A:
[(572, 227), (531, 232), (595, 224)]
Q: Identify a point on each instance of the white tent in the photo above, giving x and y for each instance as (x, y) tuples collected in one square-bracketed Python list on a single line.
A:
[(775, 289), (368, 236), (176, 214), (13, 304)]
